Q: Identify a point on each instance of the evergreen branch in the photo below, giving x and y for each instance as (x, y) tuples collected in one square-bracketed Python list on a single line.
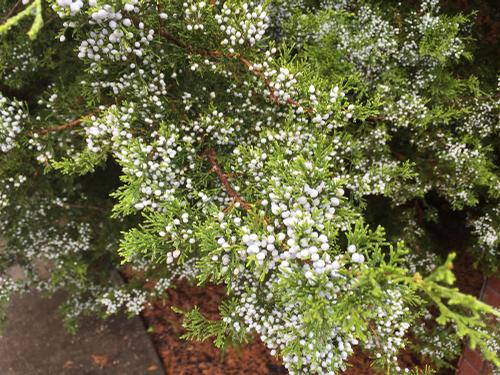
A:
[(62, 127), (244, 61), (35, 7), (68, 125), (38, 22), (86, 207), (12, 10), (200, 328), (301, 267), (468, 322), (212, 159)]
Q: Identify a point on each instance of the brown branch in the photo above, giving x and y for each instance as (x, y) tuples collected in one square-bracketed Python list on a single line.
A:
[(95, 208), (171, 38), (11, 11), (234, 56), (212, 159), (59, 128), (160, 20), (262, 76), (375, 336), (65, 126)]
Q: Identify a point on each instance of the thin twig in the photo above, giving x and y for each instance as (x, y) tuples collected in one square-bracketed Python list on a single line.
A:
[(375, 336), (212, 159), (12, 10), (59, 128), (65, 126), (234, 56), (95, 208)]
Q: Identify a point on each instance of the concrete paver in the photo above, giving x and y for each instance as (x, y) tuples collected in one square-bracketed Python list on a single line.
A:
[(35, 342)]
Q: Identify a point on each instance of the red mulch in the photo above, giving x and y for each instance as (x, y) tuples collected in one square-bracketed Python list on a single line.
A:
[(182, 357), (469, 278)]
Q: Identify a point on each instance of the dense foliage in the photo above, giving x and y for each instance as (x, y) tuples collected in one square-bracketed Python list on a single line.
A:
[(262, 145)]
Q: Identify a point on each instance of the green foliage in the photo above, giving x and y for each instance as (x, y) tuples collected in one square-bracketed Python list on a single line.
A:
[(468, 315), (201, 329), (34, 8), (82, 164), (311, 157)]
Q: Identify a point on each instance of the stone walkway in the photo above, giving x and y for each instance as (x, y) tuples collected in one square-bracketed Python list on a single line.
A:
[(35, 343)]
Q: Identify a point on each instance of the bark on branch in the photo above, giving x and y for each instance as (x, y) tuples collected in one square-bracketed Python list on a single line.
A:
[(212, 159), (233, 56), (65, 126), (62, 127)]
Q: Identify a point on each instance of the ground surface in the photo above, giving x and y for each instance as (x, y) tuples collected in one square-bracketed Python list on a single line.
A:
[(182, 357), (36, 343)]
